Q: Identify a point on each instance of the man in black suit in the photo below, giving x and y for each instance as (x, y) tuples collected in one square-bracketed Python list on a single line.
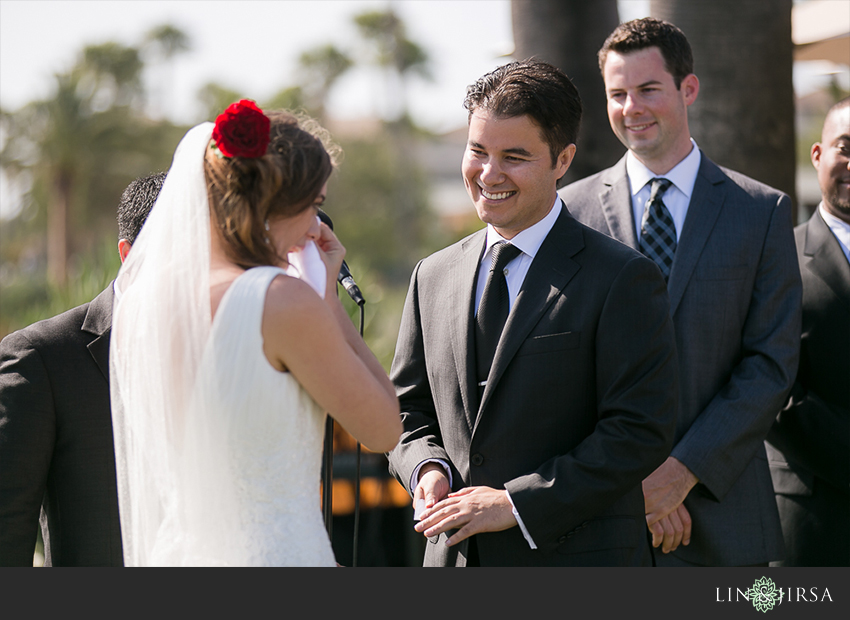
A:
[(809, 444), (526, 444), (57, 464), (725, 244)]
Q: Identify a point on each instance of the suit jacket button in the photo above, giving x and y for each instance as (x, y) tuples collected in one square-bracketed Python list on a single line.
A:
[(562, 540), (477, 459)]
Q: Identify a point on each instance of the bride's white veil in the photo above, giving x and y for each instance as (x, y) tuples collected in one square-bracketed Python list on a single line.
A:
[(174, 487)]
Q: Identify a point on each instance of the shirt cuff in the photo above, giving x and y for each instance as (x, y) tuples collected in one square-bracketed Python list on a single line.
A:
[(414, 477), (525, 533)]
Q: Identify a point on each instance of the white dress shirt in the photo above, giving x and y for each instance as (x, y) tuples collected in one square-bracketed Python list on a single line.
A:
[(677, 197), (529, 241)]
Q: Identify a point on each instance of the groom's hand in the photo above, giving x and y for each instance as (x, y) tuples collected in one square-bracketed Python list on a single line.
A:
[(471, 511), (433, 484)]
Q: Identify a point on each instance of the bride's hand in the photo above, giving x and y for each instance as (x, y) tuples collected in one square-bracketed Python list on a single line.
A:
[(332, 253)]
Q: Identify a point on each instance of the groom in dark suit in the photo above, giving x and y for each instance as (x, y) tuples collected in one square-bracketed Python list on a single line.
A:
[(57, 464), (725, 244), (535, 365), (809, 444)]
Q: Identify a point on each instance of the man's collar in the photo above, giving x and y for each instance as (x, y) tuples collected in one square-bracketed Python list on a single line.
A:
[(840, 229), (530, 239), (683, 175)]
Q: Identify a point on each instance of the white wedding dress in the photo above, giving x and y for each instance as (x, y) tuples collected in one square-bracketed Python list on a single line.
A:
[(275, 440), (218, 455)]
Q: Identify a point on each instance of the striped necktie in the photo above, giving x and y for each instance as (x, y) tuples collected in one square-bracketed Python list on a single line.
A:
[(657, 230)]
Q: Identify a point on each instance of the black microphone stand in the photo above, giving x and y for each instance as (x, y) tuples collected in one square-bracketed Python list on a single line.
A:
[(327, 475), (357, 472)]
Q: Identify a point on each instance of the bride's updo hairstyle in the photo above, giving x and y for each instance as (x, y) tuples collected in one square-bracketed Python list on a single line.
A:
[(246, 191)]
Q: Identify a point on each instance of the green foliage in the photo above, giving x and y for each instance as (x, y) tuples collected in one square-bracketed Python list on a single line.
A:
[(26, 296), (110, 74), (81, 147), (94, 127), (215, 98), (381, 312), (387, 33), (167, 41), (291, 98), (364, 201), (320, 68)]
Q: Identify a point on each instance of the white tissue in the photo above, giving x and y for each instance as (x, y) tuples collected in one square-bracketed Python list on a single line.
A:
[(308, 266), (417, 511)]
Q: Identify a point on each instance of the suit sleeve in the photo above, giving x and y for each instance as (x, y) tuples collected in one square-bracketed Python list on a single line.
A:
[(27, 435), (726, 435), (637, 398), (815, 434), (421, 438)]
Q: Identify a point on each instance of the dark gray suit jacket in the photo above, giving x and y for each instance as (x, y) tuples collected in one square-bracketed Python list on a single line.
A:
[(579, 406), (809, 444), (56, 451), (735, 296)]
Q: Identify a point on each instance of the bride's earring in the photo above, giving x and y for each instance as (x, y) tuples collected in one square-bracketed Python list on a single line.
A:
[(268, 228)]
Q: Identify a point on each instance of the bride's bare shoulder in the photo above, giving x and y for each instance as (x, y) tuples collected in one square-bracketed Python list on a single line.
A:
[(295, 319), (289, 297)]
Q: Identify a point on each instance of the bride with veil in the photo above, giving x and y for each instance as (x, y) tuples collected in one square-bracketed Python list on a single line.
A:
[(228, 346)]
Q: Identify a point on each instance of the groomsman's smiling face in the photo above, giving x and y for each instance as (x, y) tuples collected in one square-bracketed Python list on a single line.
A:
[(647, 111), (831, 159), (508, 171)]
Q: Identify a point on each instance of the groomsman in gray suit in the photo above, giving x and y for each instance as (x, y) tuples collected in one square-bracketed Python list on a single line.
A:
[(57, 461), (809, 444), (724, 244), (536, 364)]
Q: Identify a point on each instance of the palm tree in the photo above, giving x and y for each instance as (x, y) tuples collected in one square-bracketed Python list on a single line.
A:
[(567, 34), (394, 52), (321, 67), (164, 43), (86, 135), (400, 58), (744, 115)]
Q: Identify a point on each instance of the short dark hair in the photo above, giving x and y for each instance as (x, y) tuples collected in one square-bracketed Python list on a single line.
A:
[(534, 89), (640, 34), (136, 204)]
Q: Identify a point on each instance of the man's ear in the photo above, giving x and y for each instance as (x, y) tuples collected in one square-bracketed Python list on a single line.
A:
[(689, 88), (565, 159), (815, 153), (123, 249)]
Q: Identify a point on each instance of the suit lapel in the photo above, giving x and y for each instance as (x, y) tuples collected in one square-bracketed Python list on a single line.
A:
[(824, 258), (616, 201), (703, 211), (98, 321), (549, 273), (463, 277)]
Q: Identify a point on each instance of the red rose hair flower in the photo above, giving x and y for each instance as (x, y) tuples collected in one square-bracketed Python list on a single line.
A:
[(242, 130)]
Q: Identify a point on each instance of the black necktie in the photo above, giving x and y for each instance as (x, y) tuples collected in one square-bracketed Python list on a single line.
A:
[(493, 309), (657, 230)]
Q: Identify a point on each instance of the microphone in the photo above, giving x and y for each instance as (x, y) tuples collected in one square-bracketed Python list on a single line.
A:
[(345, 278)]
